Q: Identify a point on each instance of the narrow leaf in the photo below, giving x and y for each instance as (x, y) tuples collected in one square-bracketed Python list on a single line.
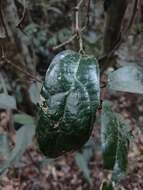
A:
[(83, 157), (82, 164), (24, 119), (7, 102), (34, 92), (115, 142), (127, 79), (4, 145), (109, 135), (23, 138), (107, 186)]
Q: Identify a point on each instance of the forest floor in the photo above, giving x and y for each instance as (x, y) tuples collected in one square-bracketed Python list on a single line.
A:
[(64, 174)]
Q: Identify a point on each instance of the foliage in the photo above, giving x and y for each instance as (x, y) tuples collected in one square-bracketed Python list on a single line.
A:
[(115, 142), (83, 156), (127, 79), (23, 139), (107, 186), (70, 94), (7, 101)]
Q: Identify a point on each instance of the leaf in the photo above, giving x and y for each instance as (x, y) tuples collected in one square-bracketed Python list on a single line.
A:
[(2, 32), (82, 164), (4, 145), (127, 79), (64, 34), (70, 98), (115, 139), (7, 102), (34, 92), (107, 186), (83, 157), (24, 119), (23, 138), (88, 149)]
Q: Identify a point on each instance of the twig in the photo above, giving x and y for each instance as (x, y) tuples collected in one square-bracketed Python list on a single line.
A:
[(135, 7), (77, 26), (10, 126), (78, 31), (68, 41), (65, 43), (2, 20), (21, 70), (88, 11), (79, 4), (123, 34), (3, 84), (126, 30), (33, 162), (23, 15)]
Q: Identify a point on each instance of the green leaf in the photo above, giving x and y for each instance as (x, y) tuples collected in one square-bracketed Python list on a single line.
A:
[(24, 119), (115, 139), (64, 34), (23, 138), (34, 92), (4, 145), (88, 149), (107, 186), (127, 79), (83, 157), (70, 98), (7, 102), (83, 165)]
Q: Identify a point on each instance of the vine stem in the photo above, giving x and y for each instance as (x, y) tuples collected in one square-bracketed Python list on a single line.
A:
[(77, 26), (78, 30)]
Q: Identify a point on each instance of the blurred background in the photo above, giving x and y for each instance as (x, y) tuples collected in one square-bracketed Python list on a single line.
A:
[(31, 34)]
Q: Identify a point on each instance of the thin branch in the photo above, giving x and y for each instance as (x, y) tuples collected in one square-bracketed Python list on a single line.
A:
[(20, 69), (37, 166), (135, 7), (23, 15), (122, 36), (88, 11), (2, 20), (10, 126), (77, 26), (65, 43), (3, 84), (78, 31), (79, 4), (68, 41)]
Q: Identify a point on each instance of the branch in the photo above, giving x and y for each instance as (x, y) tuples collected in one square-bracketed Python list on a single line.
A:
[(106, 57), (77, 26), (2, 20), (20, 69), (88, 11), (78, 30), (23, 15), (65, 43), (114, 16), (113, 35)]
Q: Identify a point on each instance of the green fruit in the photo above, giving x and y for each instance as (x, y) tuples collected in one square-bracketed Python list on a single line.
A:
[(70, 97)]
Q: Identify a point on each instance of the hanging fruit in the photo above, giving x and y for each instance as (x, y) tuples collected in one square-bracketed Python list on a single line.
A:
[(70, 97)]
